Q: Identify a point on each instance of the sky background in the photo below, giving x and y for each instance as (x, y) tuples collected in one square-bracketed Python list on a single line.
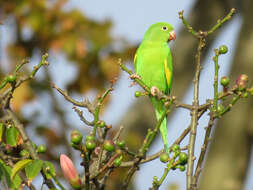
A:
[(131, 19)]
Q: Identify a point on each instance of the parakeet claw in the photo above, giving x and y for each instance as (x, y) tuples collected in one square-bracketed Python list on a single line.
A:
[(154, 90), (132, 84), (135, 76)]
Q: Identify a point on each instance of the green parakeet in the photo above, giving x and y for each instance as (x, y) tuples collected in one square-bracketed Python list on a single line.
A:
[(153, 63)]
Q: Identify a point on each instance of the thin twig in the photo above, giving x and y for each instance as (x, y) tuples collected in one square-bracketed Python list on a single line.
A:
[(221, 22), (99, 103), (159, 95), (203, 152), (28, 144), (144, 148), (156, 155), (194, 114), (215, 85), (85, 103), (82, 118), (109, 164), (190, 29)]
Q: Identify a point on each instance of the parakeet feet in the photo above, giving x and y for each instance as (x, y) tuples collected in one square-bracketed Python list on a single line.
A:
[(154, 90), (135, 76)]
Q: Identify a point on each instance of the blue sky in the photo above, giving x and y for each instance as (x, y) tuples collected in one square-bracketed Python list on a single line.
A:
[(131, 18)]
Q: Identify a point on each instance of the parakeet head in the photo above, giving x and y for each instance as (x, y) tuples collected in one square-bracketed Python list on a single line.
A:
[(161, 31)]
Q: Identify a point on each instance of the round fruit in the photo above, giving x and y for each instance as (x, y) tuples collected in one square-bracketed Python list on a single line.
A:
[(181, 168), (250, 90), (245, 95), (24, 153), (223, 49), (121, 144), (164, 157), (244, 77), (90, 137), (241, 85), (11, 78), (76, 137), (41, 148), (224, 81), (137, 94), (90, 144), (220, 108), (101, 124), (175, 148), (183, 157), (109, 146), (117, 162)]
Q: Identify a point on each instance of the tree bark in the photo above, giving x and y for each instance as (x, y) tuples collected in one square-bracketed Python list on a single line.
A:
[(228, 158)]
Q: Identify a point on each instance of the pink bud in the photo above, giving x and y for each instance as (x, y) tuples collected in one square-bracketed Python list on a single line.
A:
[(97, 150), (69, 171), (242, 78), (242, 81)]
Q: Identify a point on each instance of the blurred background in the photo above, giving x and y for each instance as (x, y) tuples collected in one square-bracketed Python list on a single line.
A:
[(84, 40)]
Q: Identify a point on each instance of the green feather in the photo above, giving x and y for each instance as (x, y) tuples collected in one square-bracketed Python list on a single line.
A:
[(153, 62)]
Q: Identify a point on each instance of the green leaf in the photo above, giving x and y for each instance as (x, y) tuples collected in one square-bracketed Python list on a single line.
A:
[(33, 169), (12, 136), (50, 166), (1, 131), (6, 171), (1, 171), (19, 166)]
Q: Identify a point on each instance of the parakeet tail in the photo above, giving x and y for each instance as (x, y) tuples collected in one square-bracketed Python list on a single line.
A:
[(159, 109)]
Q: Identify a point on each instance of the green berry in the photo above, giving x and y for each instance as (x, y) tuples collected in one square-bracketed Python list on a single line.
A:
[(109, 146), (101, 124), (155, 180), (250, 90), (11, 78), (220, 108), (224, 81), (183, 157), (90, 137), (181, 168), (117, 162), (164, 157), (223, 49), (90, 144), (245, 95), (121, 144), (163, 100), (137, 94), (41, 148), (24, 153), (76, 137), (175, 148)]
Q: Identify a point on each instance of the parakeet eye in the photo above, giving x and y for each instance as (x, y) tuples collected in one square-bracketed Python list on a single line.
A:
[(164, 28)]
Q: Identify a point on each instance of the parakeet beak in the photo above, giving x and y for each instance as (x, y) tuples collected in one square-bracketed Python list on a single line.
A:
[(172, 35)]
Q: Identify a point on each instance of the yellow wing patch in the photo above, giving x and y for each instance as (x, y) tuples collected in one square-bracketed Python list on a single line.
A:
[(167, 71), (135, 59)]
